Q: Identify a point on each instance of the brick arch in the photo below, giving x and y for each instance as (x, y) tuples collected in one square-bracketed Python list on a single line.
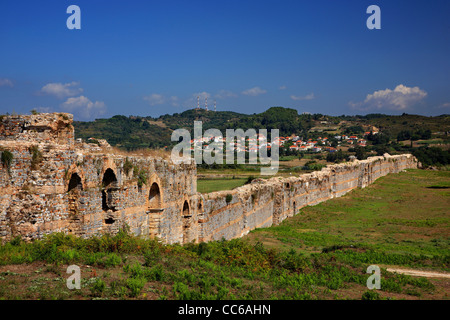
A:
[(154, 205), (75, 182), (155, 195), (108, 177), (186, 208), (74, 170), (109, 183), (187, 221), (109, 163)]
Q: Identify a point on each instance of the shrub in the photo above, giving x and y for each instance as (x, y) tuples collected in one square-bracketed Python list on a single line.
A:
[(16, 241), (141, 176), (312, 165), (135, 285), (118, 288), (390, 285), (249, 179), (151, 256), (112, 260), (135, 270), (371, 295), (98, 287), (36, 157), (64, 116), (127, 166), (7, 158), (229, 198), (156, 273)]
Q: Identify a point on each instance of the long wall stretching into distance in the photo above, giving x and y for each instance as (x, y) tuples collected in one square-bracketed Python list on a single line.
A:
[(54, 183), (268, 202)]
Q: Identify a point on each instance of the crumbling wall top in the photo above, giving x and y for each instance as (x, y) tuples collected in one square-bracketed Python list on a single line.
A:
[(42, 127)]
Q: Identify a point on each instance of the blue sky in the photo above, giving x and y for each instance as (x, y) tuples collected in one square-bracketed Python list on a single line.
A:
[(155, 57)]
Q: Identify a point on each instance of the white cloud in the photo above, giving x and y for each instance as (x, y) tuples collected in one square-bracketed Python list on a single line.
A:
[(155, 99), (282, 88), (401, 98), (61, 90), (224, 94), (202, 95), (6, 83), (84, 107), (255, 91), (174, 101), (444, 105), (307, 97)]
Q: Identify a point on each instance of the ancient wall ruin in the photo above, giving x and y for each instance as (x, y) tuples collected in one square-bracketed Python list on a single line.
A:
[(53, 183), (267, 202)]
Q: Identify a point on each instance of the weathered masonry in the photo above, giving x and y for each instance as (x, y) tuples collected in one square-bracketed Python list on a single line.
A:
[(51, 183)]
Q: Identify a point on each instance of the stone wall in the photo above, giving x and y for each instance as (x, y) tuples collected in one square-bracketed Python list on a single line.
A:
[(66, 193), (267, 202), (86, 189), (43, 127)]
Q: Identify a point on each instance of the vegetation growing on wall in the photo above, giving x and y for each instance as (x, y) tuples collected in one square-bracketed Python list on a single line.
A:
[(127, 166), (7, 158), (36, 157), (141, 175)]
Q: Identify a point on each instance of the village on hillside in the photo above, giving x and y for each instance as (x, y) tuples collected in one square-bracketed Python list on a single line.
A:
[(293, 143)]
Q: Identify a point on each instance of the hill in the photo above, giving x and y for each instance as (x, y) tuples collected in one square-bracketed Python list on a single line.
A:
[(125, 132), (136, 132)]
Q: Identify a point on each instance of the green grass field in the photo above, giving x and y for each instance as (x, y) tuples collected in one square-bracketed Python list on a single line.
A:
[(211, 185), (321, 253), (405, 213)]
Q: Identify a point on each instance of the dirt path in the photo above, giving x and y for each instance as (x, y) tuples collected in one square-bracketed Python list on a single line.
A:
[(419, 273)]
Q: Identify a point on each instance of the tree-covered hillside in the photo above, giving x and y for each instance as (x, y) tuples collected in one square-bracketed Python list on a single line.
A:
[(146, 132), (125, 132), (136, 132)]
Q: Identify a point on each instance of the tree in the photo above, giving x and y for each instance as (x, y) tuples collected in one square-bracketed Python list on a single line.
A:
[(360, 153), (381, 149), (403, 135), (354, 130), (432, 156)]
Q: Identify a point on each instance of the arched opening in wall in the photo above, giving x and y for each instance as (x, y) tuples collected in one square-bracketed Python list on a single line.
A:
[(295, 208), (187, 222), (200, 213), (109, 220), (154, 197), (109, 177), (109, 182), (186, 209), (154, 210), (75, 182), (73, 190)]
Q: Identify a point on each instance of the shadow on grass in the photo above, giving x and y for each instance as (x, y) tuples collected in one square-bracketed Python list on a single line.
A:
[(438, 187)]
